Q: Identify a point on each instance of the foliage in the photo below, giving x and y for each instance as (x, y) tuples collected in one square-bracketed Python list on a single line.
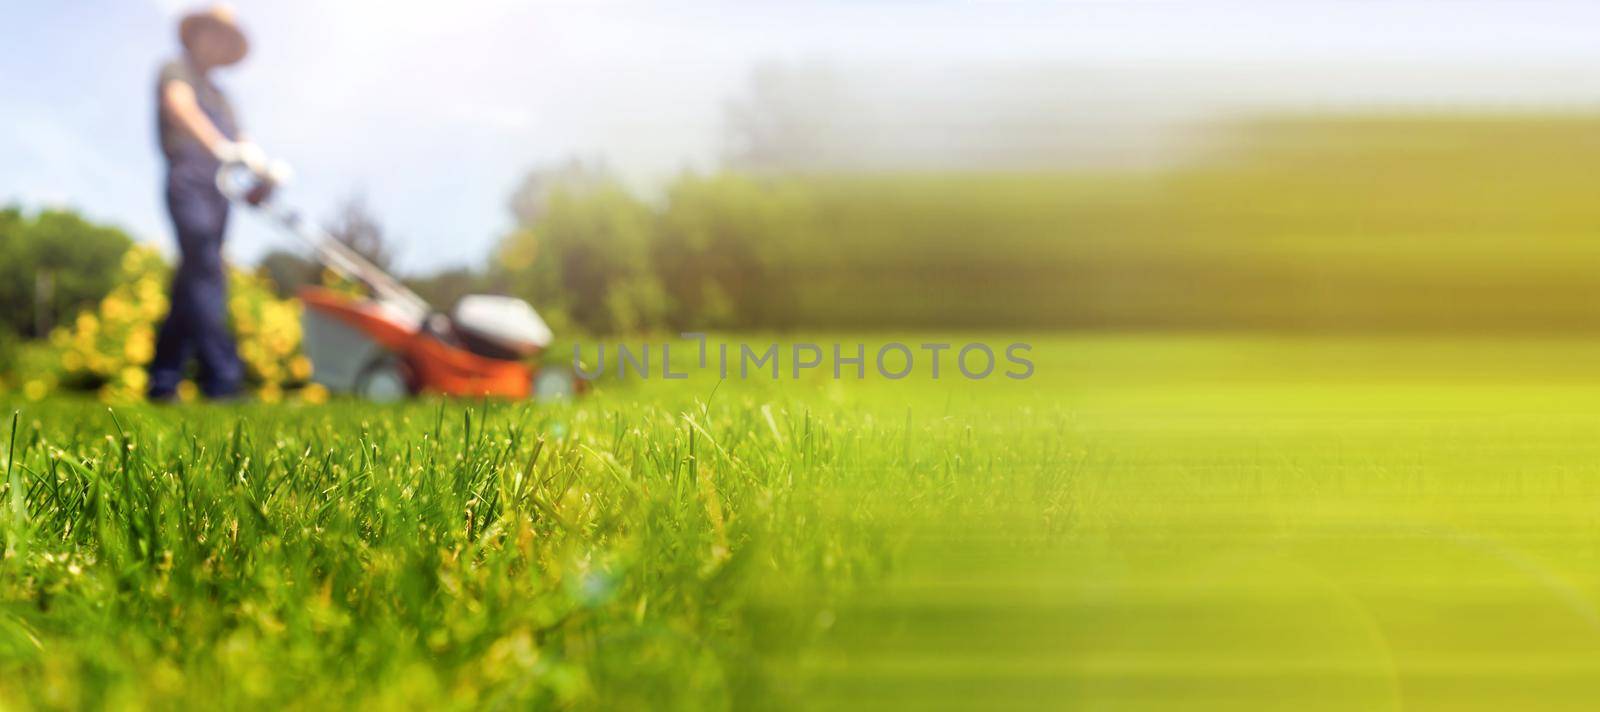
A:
[(268, 333), (1353, 223), (585, 255), (287, 271), (723, 247), (107, 348), (443, 288), (714, 256), (356, 227), (1430, 223), (53, 264), (9, 348)]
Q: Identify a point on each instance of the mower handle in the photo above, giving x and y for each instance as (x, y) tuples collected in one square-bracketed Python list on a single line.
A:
[(236, 178)]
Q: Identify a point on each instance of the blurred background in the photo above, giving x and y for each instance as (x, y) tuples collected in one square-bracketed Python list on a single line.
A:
[(1403, 166)]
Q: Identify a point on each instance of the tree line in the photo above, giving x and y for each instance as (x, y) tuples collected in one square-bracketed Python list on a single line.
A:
[(1301, 224)]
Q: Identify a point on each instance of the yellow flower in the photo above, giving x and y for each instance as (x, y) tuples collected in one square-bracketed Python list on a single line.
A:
[(114, 308), (270, 393), (188, 391), (269, 370), (152, 309), (133, 259), (314, 393), (140, 347), (35, 389), (117, 337), (134, 378)]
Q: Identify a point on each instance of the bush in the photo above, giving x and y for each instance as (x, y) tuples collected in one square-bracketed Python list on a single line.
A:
[(108, 348), (723, 249), (586, 257), (52, 265), (1463, 224)]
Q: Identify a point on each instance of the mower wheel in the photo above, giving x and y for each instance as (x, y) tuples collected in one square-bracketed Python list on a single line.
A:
[(385, 380), (555, 384)]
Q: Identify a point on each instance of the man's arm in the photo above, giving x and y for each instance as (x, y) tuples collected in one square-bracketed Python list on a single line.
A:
[(180, 103), (178, 99)]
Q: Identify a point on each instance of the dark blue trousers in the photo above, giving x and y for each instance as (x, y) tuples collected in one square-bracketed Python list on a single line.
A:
[(197, 318)]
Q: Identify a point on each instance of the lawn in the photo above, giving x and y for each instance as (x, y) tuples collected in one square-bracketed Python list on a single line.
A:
[(1206, 522)]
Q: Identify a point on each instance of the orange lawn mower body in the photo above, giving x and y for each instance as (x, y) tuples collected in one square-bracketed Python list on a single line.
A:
[(364, 347)]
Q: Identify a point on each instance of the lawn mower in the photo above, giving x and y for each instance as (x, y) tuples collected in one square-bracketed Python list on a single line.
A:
[(393, 343)]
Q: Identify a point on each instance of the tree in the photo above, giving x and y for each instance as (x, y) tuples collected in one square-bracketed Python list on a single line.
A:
[(53, 265), (288, 271), (575, 176), (582, 249), (445, 287), (787, 119), (722, 250), (354, 225)]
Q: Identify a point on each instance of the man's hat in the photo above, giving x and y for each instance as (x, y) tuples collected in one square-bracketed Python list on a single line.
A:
[(221, 19)]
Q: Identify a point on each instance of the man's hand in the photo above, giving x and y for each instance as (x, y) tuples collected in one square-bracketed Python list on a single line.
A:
[(261, 192), (243, 153), (266, 175)]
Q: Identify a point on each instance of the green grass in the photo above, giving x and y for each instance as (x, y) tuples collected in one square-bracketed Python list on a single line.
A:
[(1203, 522)]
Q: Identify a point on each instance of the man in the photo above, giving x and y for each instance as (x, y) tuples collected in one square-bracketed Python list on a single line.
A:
[(198, 133)]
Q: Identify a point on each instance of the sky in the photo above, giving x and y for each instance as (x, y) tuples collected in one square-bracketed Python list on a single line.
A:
[(432, 111)]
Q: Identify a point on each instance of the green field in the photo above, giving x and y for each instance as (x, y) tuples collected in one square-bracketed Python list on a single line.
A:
[(1193, 522)]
